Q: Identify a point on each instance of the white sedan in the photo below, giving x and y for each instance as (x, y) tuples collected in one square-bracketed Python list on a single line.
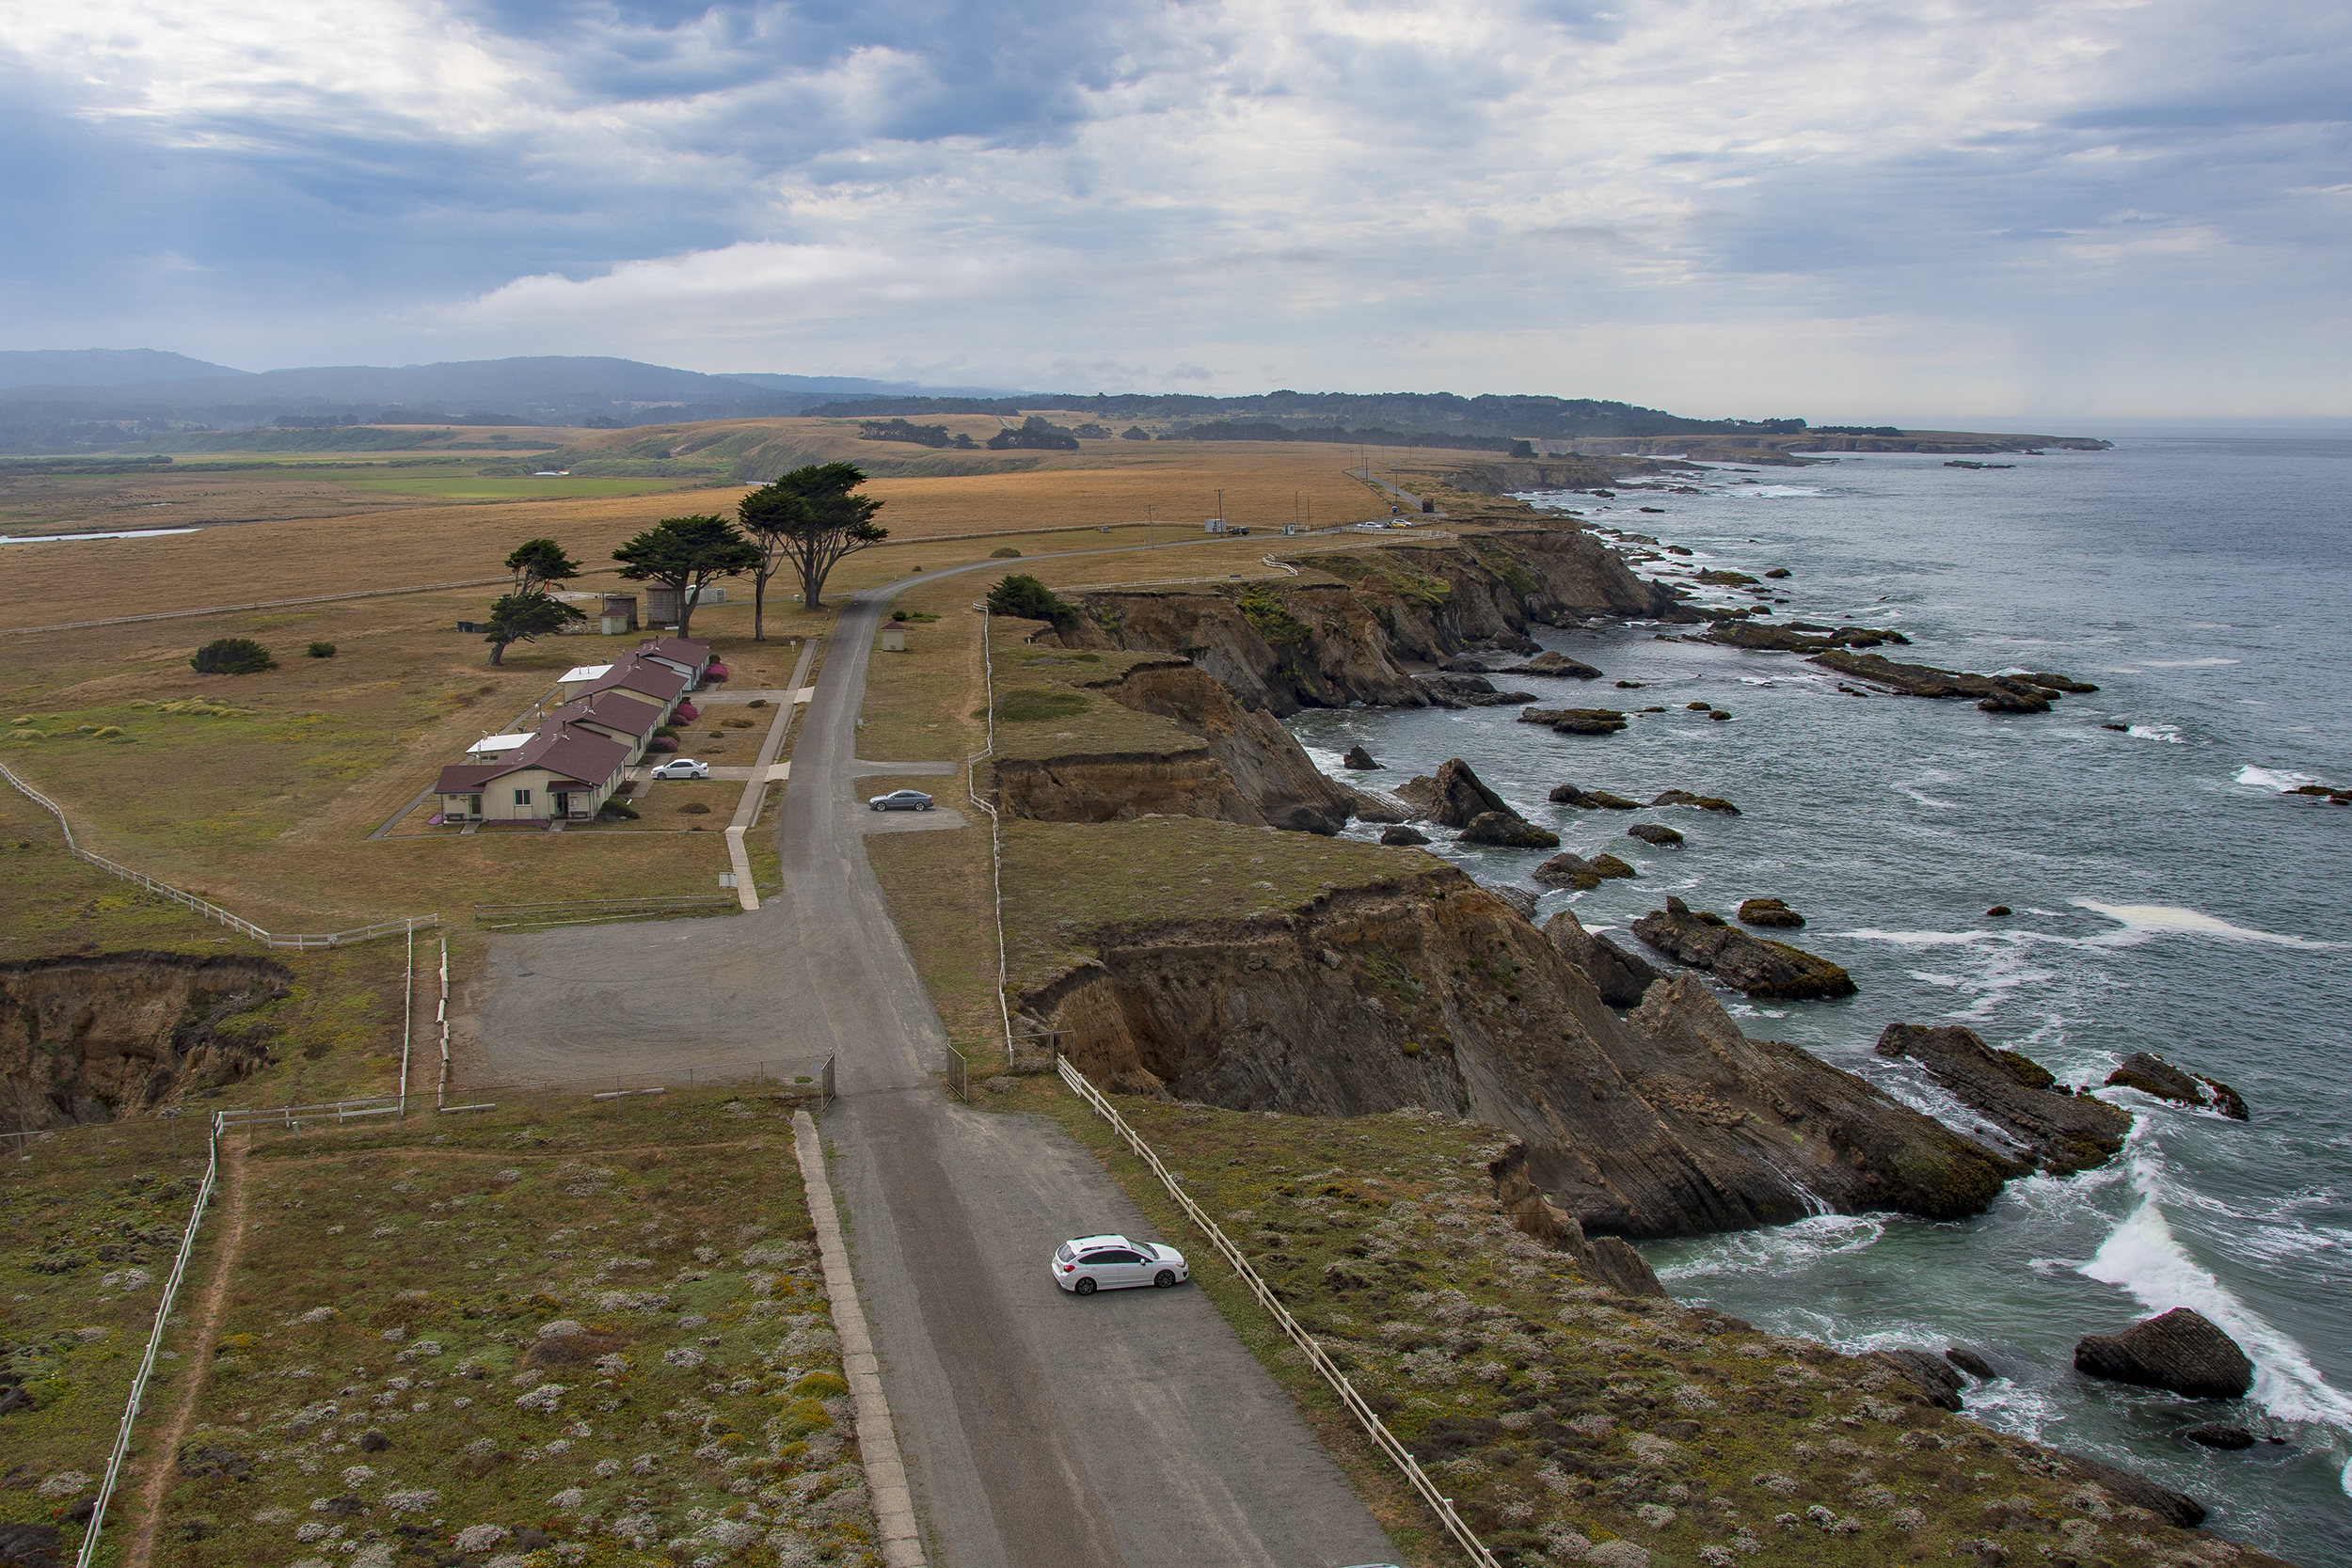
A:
[(1092, 1264), (682, 768)]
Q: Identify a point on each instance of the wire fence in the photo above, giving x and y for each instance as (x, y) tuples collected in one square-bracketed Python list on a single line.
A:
[(1382, 1439), (205, 907)]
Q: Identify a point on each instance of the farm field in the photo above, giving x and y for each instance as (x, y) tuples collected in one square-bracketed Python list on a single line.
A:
[(476, 487)]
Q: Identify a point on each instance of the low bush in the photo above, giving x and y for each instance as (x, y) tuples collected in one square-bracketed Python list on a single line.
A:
[(618, 810), (321, 650), (1026, 599), (663, 743), (232, 655), (1008, 553)]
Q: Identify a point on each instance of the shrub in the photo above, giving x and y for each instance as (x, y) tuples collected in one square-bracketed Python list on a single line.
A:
[(716, 675), (686, 712), (1026, 598), (321, 650), (620, 810), (232, 655), (897, 614), (694, 808), (663, 743), (757, 702), (1008, 553)]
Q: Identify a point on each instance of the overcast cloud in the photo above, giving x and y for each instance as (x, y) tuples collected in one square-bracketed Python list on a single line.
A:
[(1840, 209)]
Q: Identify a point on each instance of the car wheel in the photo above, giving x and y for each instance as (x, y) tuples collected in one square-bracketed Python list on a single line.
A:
[(1164, 1278), (1083, 1287), (877, 807), (925, 806)]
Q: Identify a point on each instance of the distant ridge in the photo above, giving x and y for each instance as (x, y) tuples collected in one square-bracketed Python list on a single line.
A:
[(836, 384), (100, 366)]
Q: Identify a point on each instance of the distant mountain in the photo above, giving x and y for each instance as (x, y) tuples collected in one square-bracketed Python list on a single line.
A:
[(838, 385), (100, 366)]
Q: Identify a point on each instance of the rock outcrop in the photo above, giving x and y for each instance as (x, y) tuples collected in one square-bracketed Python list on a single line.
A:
[(1317, 642), (1570, 869), (2153, 1074), (1507, 831), (2065, 1133), (1605, 1259), (1994, 693), (1617, 974), (1756, 965), (1654, 833), (1552, 664), (1771, 913), (1359, 760), (1469, 691), (2218, 1434), (1704, 802), (1402, 834), (2181, 1350), (1246, 768), (88, 1039), (1933, 1376), (1796, 637), (1454, 797), (1668, 1121), (1568, 795), (1575, 721)]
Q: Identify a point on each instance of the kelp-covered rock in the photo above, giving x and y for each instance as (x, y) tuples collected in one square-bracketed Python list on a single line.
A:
[(1570, 795), (1756, 965), (1575, 721), (1654, 833), (2151, 1075), (1552, 664), (1769, 912), (1509, 831), (1570, 869)]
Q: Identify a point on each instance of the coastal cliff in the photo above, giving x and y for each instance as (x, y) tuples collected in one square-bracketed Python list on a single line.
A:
[(1345, 631), (86, 1039), (1428, 990)]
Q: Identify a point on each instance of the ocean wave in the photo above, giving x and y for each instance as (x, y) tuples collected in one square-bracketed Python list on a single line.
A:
[(2272, 778), (1919, 939), (1928, 799), (1794, 1246), (2187, 663), (2156, 732), (2143, 1257), (2144, 922)]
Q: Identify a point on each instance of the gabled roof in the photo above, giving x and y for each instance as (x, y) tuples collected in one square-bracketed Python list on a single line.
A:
[(584, 673), (633, 673), (610, 710), (581, 756), (686, 650)]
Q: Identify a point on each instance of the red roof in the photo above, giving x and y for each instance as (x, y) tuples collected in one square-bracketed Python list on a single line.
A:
[(633, 671), (580, 757), (686, 650), (617, 713)]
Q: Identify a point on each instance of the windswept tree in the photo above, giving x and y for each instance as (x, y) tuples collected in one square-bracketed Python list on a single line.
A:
[(686, 553), (808, 520), (537, 563), (525, 618)]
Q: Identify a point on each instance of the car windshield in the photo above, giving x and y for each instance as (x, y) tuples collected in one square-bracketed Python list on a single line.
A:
[(1063, 1252)]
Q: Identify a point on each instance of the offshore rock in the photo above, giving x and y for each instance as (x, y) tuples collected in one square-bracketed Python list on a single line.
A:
[(1704, 802), (1756, 965), (1469, 691), (1617, 974), (1570, 795), (1769, 912), (1556, 664), (2153, 1074), (1508, 830), (1667, 1121), (1654, 833), (1452, 797), (1401, 834), (2216, 1434), (1359, 760), (2066, 1132), (1575, 721), (1938, 1384), (1570, 869), (1994, 693), (2181, 1350), (1797, 637)]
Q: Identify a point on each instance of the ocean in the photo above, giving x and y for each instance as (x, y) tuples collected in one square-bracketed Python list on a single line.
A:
[(2169, 896)]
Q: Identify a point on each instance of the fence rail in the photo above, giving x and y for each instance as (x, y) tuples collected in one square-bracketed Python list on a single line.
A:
[(1384, 1440), (205, 907)]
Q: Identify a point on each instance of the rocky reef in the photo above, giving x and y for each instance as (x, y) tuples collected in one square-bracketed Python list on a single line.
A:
[(2181, 1350)]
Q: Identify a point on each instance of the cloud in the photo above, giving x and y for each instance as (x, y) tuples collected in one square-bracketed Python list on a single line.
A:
[(1277, 192)]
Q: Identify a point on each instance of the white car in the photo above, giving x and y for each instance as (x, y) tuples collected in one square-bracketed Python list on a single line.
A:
[(1092, 1264), (682, 768)]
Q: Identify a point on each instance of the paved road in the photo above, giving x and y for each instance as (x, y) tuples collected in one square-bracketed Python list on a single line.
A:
[(1131, 1430)]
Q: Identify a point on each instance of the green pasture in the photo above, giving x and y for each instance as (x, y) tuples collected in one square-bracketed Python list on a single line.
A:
[(473, 487)]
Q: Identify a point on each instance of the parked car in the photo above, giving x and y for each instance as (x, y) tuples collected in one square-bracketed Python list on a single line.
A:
[(682, 768), (1092, 1264), (901, 799)]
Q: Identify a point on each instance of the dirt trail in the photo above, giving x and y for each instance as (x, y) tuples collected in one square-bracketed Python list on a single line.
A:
[(196, 1360)]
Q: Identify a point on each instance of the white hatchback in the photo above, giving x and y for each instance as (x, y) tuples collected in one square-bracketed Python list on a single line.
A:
[(1092, 1264)]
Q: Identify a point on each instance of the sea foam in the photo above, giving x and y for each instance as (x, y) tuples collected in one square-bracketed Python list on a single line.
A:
[(2272, 778), (2144, 922)]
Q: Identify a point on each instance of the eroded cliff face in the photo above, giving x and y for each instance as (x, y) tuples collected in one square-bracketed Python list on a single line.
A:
[(1246, 768), (91, 1040), (1282, 647), (1431, 992)]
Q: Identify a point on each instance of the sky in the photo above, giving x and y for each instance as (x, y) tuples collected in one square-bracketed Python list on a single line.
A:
[(1838, 209)]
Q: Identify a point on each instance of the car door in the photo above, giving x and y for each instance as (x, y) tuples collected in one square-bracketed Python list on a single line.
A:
[(1125, 1268)]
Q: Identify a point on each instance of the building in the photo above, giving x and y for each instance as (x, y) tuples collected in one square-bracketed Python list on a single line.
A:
[(632, 675), (497, 748), (563, 773), (614, 715), (663, 603), (608, 614), (690, 656)]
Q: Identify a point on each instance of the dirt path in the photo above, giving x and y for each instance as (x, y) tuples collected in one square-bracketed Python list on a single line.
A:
[(196, 1360)]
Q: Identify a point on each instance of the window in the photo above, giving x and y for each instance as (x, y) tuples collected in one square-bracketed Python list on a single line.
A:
[(522, 797)]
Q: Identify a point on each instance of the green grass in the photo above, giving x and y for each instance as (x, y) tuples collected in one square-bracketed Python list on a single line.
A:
[(474, 487)]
